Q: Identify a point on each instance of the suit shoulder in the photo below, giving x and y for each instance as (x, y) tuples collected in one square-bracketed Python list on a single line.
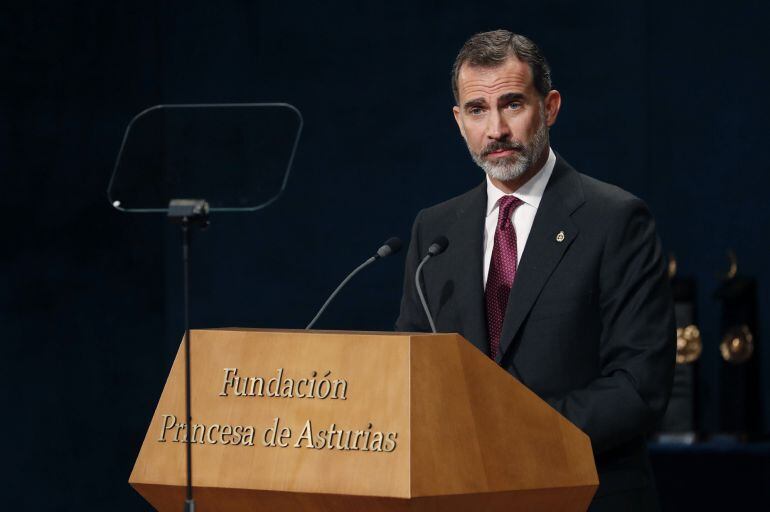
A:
[(448, 210), (598, 190), (608, 199)]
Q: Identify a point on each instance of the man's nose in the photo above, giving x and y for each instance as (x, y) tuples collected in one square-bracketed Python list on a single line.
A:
[(496, 127)]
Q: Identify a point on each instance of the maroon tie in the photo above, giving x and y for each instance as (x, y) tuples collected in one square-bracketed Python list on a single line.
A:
[(502, 271)]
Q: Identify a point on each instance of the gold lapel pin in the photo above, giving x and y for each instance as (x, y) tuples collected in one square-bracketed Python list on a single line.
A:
[(560, 237)]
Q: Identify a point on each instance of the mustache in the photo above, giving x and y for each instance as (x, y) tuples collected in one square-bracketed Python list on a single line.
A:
[(502, 145)]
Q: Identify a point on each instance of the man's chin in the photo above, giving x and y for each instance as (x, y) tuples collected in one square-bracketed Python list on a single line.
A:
[(505, 169), (504, 173)]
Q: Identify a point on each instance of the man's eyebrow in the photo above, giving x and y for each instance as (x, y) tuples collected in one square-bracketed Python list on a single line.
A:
[(476, 102), (509, 97)]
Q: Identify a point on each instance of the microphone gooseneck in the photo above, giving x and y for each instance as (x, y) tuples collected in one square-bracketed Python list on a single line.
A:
[(438, 246), (392, 246)]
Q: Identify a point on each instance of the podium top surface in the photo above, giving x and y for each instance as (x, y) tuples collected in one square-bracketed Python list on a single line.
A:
[(322, 331)]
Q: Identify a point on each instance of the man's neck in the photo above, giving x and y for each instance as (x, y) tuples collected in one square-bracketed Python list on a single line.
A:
[(511, 186)]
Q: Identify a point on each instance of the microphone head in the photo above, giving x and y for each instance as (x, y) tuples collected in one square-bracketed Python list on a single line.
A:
[(392, 246), (438, 246)]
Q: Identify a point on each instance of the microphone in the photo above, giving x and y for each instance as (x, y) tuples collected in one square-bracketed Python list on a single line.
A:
[(438, 246), (391, 246)]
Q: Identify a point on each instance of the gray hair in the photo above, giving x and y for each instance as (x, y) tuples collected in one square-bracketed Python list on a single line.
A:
[(491, 49)]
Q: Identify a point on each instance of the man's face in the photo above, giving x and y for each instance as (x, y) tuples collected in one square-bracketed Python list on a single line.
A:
[(503, 119)]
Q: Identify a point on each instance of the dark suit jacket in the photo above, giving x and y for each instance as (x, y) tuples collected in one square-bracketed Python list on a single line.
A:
[(589, 325)]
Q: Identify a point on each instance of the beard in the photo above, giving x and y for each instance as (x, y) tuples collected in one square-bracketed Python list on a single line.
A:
[(511, 167)]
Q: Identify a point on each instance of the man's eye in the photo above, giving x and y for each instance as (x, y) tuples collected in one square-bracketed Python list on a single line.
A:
[(475, 111), (514, 106)]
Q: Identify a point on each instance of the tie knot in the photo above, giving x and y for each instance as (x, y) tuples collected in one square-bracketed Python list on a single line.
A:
[(507, 204)]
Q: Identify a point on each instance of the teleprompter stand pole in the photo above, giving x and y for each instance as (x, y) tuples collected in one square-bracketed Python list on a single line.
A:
[(188, 213)]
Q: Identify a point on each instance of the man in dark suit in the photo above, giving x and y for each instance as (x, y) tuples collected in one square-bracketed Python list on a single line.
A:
[(559, 277)]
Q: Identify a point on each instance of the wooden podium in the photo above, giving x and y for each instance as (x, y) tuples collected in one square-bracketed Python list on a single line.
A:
[(357, 421)]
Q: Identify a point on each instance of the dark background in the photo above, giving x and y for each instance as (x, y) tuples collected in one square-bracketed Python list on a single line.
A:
[(667, 101)]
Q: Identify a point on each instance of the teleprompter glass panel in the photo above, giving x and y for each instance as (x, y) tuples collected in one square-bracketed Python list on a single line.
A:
[(235, 156)]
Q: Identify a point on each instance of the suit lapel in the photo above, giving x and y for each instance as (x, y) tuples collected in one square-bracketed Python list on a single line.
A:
[(544, 249), (466, 237)]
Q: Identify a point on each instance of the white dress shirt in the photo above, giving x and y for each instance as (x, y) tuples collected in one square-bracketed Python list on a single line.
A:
[(530, 193)]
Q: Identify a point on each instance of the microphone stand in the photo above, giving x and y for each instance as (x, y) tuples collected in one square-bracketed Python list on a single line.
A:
[(392, 246), (438, 246), (419, 291), (337, 290), (188, 213)]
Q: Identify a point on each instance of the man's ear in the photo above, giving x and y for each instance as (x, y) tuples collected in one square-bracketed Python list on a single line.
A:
[(552, 105), (458, 120)]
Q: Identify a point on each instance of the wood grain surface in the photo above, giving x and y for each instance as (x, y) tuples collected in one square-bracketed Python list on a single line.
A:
[(468, 434)]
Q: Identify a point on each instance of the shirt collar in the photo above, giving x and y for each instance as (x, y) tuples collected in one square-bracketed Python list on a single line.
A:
[(531, 192)]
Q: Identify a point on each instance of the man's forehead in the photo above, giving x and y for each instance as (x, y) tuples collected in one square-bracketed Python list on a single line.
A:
[(513, 75)]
